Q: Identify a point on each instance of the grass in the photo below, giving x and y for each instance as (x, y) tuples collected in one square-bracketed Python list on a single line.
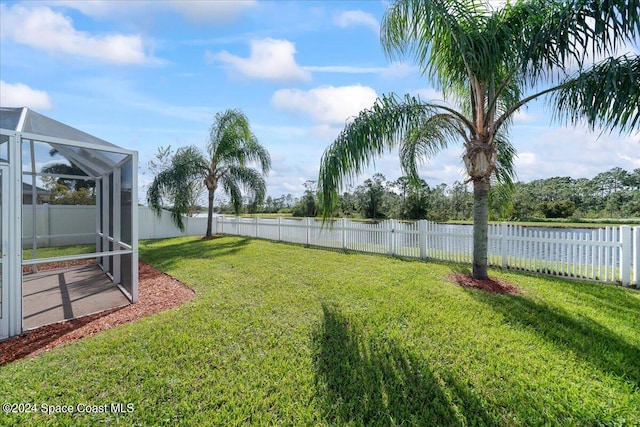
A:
[(59, 251), (286, 335)]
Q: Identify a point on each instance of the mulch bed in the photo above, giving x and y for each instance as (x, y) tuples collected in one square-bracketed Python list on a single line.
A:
[(27, 269), (157, 292), (496, 286)]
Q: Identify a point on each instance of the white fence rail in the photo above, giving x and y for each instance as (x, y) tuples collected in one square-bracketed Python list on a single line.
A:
[(609, 254)]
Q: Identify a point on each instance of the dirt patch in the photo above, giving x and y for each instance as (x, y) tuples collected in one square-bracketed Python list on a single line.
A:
[(157, 292), (496, 286)]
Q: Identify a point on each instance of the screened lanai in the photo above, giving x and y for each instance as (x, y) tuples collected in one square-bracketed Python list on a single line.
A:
[(63, 261)]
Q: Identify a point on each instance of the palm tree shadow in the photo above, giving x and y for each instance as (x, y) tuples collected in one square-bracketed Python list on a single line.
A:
[(585, 338), (167, 256), (378, 382)]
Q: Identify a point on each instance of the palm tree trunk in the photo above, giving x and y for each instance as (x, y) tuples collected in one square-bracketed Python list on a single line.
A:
[(210, 214), (480, 227)]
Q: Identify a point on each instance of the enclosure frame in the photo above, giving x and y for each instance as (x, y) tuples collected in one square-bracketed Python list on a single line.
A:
[(116, 208)]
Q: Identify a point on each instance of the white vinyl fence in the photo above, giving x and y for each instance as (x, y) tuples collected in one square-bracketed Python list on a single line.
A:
[(609, 254)]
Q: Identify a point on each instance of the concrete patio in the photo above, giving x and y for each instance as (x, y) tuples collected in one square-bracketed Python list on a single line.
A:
[(61, 294)]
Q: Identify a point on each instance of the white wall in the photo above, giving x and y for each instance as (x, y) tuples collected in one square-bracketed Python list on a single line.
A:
[(150, 226), (65, 220), (59, 220)]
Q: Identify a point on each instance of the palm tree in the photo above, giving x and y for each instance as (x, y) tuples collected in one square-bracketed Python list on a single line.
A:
[(489, 63), (231, 151)]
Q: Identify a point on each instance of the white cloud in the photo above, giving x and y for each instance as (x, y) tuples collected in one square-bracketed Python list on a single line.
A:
[(344, 69), (213, 12), (216, 12), (356, 17), (525, 159), (269, 59), (326, 132), (521, 117), (326, 104), (398, 70), (21, 95), (429, 94), (437, 97), (571, 151), (42, 28)]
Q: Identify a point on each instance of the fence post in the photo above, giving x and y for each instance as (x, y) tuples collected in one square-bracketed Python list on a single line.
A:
[(422, 236), (504, 245), (625, 255), (255, 222), (279, 228), (391, 237), (636, 256), (307, 223), (343, 232)]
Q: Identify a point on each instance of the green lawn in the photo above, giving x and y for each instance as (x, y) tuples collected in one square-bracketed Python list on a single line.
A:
[(281, 334), (59, 251)]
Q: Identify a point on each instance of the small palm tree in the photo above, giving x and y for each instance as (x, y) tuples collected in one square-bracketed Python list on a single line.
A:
[(231, 151), (490, 63)]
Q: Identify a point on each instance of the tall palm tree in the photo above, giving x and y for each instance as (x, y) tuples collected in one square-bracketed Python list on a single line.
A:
[(489, 63), (231, 152)]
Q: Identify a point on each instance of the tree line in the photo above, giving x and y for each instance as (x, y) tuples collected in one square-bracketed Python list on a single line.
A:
[(611, 194)]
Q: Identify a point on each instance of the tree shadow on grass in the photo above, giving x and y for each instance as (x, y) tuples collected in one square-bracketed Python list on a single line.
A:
[(165, 257), (611, 297), (585, 338), (375, 381)]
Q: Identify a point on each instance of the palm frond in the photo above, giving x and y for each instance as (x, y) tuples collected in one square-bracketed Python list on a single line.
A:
[(243, 177), (228, 128), (178, 183), (561, 36), (506, 153), (607, 94), (375, 131), (252, 151), (231, 188), (441, 35), (423, 142)]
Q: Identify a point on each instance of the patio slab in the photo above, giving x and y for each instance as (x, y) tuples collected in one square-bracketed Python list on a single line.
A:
[(62, 294)]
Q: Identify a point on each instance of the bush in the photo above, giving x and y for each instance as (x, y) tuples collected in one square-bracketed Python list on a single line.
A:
[(559, 209)]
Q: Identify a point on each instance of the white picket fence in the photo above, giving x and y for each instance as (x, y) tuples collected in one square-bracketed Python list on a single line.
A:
[(609, 254)]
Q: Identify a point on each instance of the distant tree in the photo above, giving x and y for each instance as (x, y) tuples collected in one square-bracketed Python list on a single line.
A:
[(70, 169), (371, 196), (307, 205), (227, 165), (557, 209), (416, 203), (461, 201), (60, 194), (438, 203)]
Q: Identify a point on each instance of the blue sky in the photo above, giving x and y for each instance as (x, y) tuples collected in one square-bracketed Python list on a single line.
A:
[(148, 74)]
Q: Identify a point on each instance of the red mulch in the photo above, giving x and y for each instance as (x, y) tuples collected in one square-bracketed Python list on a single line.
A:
[(496, 286), (27, 269), (157, 292)]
